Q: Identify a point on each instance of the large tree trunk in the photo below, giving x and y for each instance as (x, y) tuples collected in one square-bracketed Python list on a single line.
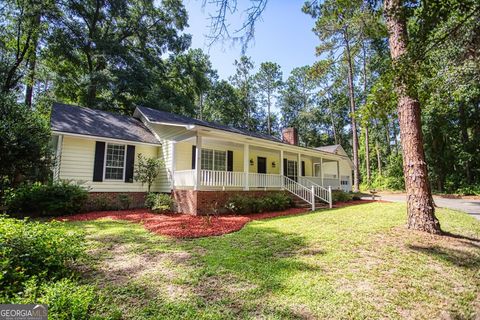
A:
[(356, 169), (379, 158), (367, 154), (465, 141), (269, 125), (367, 147), (420, 207), (32, 61)]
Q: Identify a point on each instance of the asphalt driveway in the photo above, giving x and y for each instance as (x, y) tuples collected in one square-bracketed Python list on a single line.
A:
[(466, 205)]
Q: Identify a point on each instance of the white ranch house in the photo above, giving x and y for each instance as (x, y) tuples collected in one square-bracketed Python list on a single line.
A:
[(99, 149)]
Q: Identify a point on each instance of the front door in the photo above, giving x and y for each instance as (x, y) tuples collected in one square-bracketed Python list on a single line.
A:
[(262, 165), (292, 169)]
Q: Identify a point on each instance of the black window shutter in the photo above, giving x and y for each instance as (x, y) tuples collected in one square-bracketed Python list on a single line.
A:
[(98, 162), (229, 160), (303, 168), (284, 167), (194, 156), (129, 163)]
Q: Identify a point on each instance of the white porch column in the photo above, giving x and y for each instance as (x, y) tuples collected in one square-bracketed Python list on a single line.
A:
[(172, 150), (299, 166), (282, 169), (321, 170), (338, 175), (246, 164), (198, 162)]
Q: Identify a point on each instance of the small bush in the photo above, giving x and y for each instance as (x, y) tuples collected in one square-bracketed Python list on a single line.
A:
[(341, 196), (34, 249), (241, 204), (469, 190), (46, 199), (101, 202), (159, 202), (125, 201), (66, 298)]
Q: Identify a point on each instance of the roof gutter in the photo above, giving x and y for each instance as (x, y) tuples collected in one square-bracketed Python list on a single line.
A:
[(85, 136)]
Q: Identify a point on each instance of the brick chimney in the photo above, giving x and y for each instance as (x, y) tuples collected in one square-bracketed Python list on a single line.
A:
[(290, 136)]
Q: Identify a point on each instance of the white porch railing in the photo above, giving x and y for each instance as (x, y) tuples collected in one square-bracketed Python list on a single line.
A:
[(211, 178), (184, 178), (324, 194), (263, 180), (305, 189)]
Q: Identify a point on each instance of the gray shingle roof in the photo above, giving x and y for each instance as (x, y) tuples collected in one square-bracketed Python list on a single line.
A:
[(162, 116), (91, 122), (332, 148)]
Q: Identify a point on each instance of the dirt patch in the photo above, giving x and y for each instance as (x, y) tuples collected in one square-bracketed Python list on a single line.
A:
[(188, 226)]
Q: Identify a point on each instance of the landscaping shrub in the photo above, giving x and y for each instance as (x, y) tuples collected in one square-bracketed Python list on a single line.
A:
[(125, 201), (241, 204), (469, 190), (46, 199), (101, 202), (159, 202), (341, 196), (34, 249), (66, 299)]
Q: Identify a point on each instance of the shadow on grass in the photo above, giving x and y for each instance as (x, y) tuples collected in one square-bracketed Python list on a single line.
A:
[(234, 272), (455, 257)]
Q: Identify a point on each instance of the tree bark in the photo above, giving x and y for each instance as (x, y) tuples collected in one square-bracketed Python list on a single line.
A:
[(420, 207), (356, 170), (367, 147), (465, 141), (367, 154), (268, 114), (379, 159)]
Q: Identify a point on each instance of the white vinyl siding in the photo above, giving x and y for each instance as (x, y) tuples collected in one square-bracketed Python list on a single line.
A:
[(77, 164)]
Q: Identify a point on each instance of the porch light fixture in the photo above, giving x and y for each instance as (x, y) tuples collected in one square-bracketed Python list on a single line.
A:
[(274, 164), (251, 162)]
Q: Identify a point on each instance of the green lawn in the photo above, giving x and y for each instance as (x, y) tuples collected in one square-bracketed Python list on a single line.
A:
[(355, 262)]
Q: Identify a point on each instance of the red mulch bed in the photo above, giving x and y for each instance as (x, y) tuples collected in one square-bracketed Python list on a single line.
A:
[(188, 226)]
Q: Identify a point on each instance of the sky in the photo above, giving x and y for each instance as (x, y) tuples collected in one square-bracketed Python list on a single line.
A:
[(283, 35)]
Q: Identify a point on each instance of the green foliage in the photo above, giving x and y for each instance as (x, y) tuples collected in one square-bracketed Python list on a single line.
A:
[(241, 204), (159, 202), (24, 143), (66, 299), (469, 191), (125, 200), (33, 249), (147, 170), (53, 199), (268, 81), (341, 196), (101, 203), (121, 63)]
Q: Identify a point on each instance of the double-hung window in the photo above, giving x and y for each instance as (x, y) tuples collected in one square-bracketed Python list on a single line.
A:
[(115, 161), (214, 160)]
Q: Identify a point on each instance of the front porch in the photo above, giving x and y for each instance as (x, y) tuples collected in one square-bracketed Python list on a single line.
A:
[(207, 166), (229, 165)]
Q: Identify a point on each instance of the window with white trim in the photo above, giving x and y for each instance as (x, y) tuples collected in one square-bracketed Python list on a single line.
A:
[(220, 160), (114, 161), (214, 160)]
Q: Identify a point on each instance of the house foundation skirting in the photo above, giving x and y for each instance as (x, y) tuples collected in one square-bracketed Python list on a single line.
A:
[(201, 202), (98, 201)]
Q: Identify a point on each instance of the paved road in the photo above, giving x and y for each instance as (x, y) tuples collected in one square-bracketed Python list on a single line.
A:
[(469, 206)]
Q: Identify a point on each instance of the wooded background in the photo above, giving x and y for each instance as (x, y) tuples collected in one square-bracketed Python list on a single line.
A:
[(116, 54)]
